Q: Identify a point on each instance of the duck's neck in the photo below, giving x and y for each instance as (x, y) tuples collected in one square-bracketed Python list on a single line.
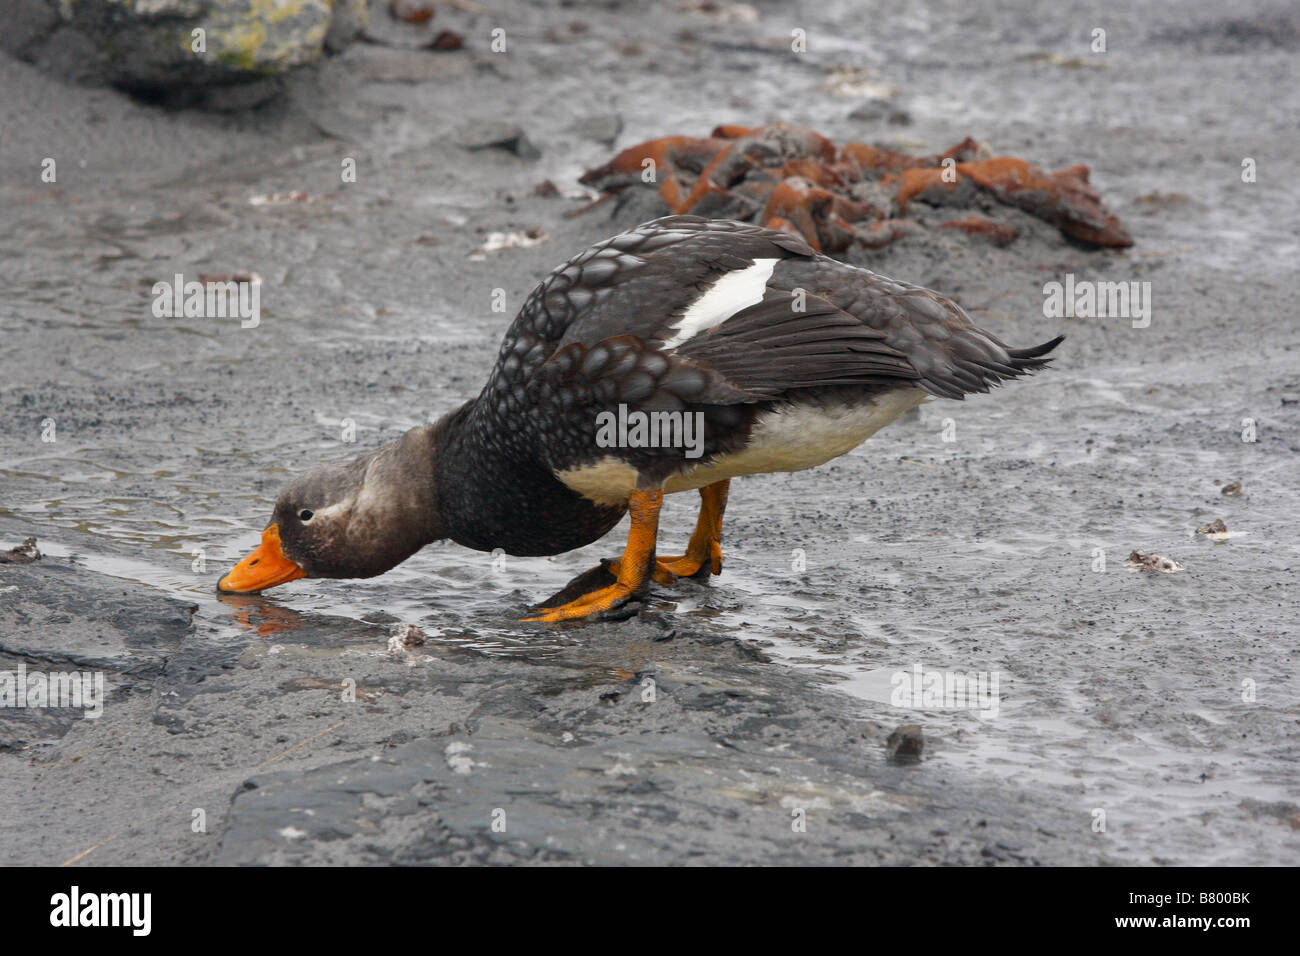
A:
[(396, 510)]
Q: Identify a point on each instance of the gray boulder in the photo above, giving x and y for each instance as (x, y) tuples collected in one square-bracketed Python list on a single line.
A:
[(177, 45)]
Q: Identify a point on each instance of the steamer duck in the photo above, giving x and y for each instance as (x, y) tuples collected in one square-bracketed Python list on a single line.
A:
[(671, 358)]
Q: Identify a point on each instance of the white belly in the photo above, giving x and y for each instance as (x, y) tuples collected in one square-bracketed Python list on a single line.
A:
[(788, 439)]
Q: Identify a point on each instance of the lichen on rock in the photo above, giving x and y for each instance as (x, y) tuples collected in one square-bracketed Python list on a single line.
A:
[(156, 46)]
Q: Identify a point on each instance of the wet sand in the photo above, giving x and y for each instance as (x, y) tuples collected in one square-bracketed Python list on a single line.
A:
[(1121, 690)]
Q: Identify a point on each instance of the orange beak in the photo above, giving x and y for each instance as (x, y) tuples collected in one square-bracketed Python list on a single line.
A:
[(264, 568)]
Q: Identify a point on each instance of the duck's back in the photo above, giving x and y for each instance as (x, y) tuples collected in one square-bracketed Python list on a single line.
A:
[(785, 357)]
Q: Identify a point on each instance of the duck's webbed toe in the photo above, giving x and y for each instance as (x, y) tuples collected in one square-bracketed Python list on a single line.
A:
[(613, 589), (689, 566), (580, 600), (580, 591)]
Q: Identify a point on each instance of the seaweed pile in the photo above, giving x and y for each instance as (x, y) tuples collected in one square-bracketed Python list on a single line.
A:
[(792, 178)]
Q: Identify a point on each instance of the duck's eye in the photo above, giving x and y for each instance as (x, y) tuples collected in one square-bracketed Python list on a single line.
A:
[(305, 515)]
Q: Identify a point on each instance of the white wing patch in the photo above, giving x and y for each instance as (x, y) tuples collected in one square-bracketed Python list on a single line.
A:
[(730, 294)]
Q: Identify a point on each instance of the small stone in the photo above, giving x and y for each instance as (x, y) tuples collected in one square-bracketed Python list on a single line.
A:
[(25, 553), (602, 128), (1141, 561), (496, 241), (721, 12), (1215, 528), (877, 109), (405, 637), (906, 744), (252, 278), (408, 12), (493, 135), (446, 40)]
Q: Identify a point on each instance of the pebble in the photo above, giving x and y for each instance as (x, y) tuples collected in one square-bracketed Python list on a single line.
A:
[(906, 744)]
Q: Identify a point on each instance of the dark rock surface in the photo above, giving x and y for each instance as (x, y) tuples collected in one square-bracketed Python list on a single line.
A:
[(645, 741)]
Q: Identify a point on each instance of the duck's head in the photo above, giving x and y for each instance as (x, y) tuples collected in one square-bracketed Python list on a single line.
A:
[(351, 520)]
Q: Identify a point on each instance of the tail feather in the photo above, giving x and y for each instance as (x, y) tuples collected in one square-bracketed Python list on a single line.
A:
[(1035, 357), (976, 361)]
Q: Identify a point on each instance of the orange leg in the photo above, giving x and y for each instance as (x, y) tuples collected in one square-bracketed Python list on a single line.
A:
[(632, 571), (704, 551)]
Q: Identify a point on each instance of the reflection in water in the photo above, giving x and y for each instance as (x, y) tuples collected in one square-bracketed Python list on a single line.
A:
[(252, 612)]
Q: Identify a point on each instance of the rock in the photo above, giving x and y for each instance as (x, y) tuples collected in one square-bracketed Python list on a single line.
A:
[(57, 618), (408, 12), (405, 637), (148, 46), (25, 553), (1142, 561), (446, 40), (494, 135), (878, 109), (906, 744), (1215, 528), (496, 241), (602, 128)]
